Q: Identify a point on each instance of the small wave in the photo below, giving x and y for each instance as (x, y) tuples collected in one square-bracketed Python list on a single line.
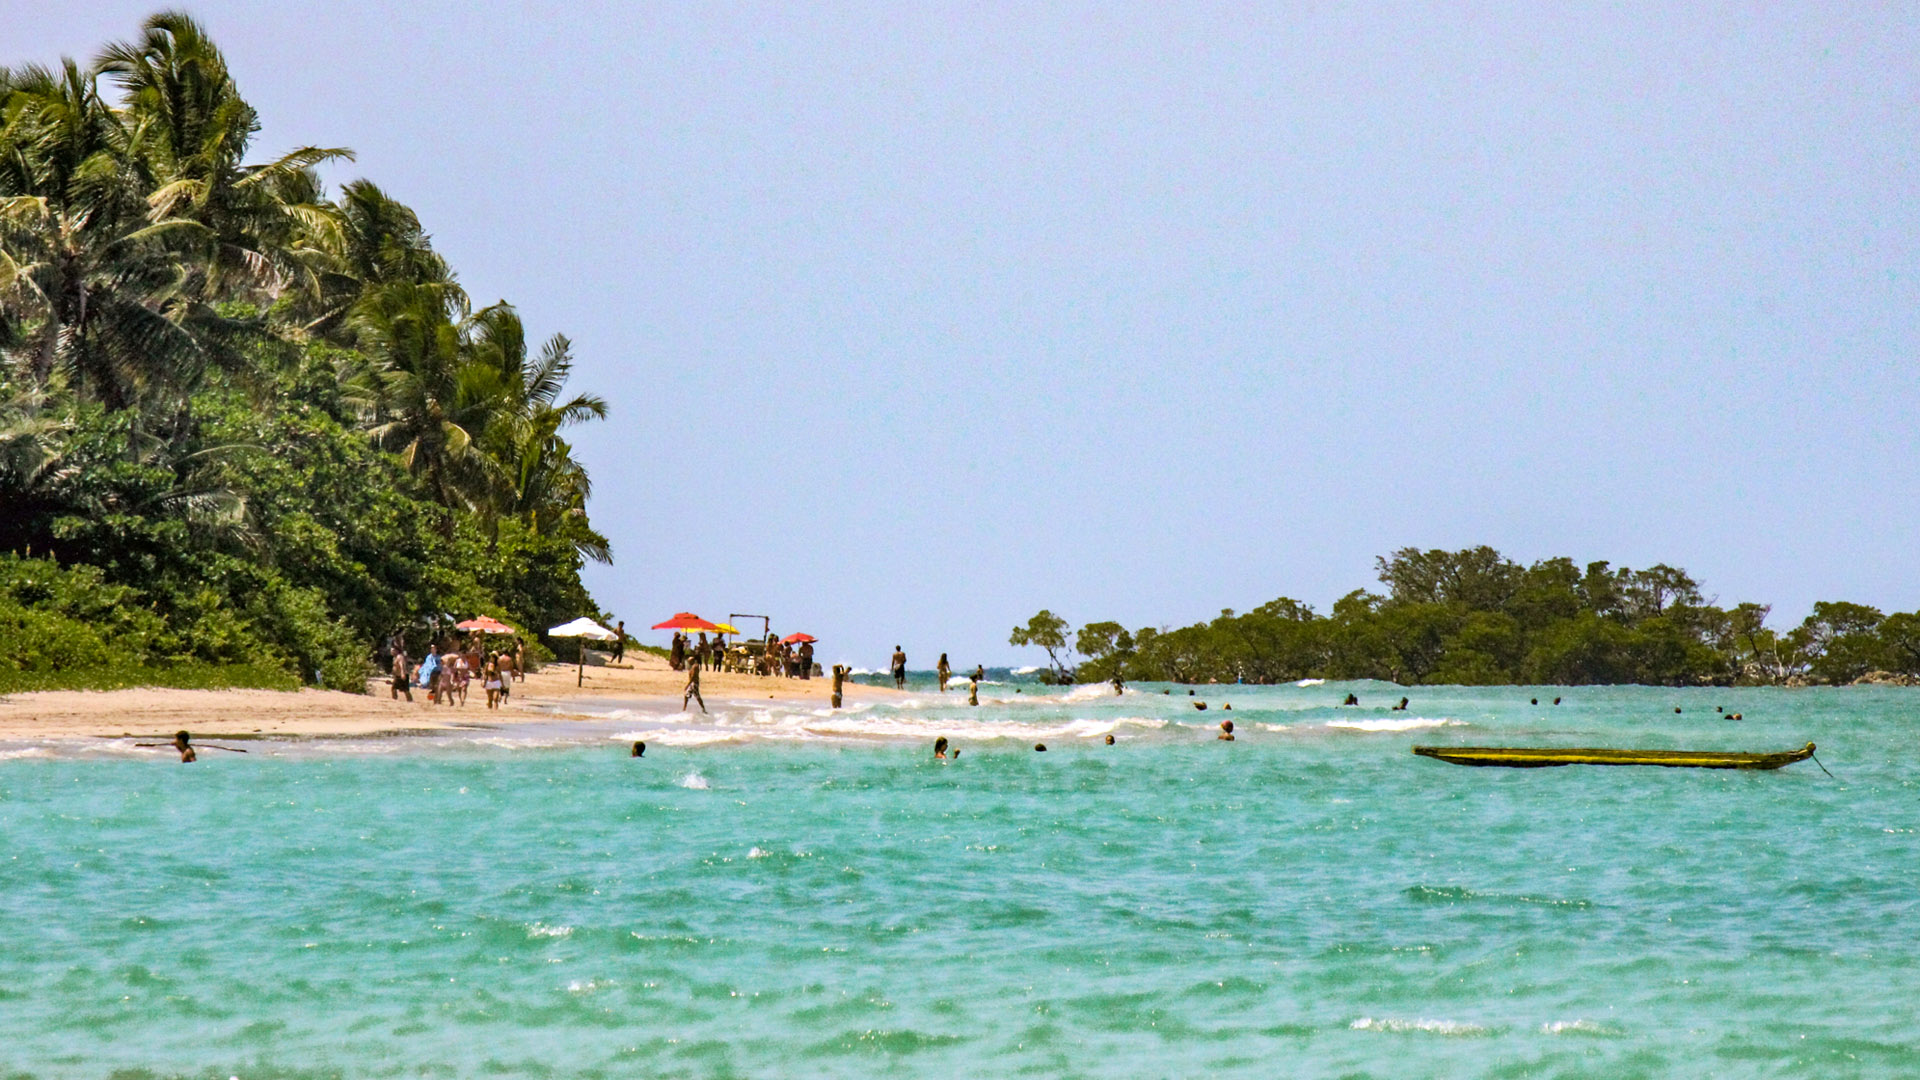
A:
[(1311, 682), (1025, 670), (693, 781), (1410, 724), (685, 737), (588, 986), (759, 853), (1580, 1027), (1458, 894), (540, 930), (1432, 1027), (1274, 727), (29, 752)]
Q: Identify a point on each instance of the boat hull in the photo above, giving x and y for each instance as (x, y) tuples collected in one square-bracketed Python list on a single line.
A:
[(1528, 757)]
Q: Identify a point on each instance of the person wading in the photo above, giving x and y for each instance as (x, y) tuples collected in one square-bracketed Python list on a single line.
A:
[(693, 689)]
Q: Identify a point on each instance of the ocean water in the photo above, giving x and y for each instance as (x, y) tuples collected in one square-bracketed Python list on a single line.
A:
[(785, 893)]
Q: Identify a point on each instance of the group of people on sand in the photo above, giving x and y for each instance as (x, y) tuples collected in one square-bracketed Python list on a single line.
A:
[(446, 675), (775, 658)]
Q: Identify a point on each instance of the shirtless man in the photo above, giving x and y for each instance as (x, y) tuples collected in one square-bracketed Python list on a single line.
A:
[(402, 677), (899, 669), (839, 680), (183, 742)]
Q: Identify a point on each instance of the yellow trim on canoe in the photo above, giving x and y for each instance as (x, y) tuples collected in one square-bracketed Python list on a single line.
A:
[(1538, 757)]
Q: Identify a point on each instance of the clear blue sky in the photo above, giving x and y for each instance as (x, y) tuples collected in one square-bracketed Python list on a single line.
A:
[(916, 319)]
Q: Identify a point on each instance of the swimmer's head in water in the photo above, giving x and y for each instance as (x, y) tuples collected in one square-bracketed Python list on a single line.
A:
[(1226, 726), (940, 745), (181, 738), (1040, 748), (639, 749), (1109, 740)]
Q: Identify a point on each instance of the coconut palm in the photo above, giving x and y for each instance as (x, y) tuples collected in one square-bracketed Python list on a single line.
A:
[(432, 402), (89, 283), (543, 485), (189, 131)]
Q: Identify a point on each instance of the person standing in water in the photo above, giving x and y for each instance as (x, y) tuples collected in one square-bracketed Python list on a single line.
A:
[(899, 669), (1226, 731), (693, 689), (944, 670), (973, 689), (183, 742), (839, 680), (940, 748)]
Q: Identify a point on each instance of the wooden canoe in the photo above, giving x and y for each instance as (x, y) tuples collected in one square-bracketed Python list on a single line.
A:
[(1530, 757)]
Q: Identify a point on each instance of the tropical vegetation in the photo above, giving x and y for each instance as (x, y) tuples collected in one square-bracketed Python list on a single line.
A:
[(249, 427), (1476, 617)]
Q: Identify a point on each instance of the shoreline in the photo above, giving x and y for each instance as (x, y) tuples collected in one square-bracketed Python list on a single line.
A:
[(548, 695)]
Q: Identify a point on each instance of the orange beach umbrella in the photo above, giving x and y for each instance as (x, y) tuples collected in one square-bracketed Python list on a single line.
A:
[(795, 639), (685, 620), (486, 624)]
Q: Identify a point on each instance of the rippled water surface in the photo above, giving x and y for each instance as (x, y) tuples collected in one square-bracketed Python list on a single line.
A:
[(784, 894)]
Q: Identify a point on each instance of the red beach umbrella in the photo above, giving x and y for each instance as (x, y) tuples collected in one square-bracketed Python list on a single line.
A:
[(685, 620), (795, 639)]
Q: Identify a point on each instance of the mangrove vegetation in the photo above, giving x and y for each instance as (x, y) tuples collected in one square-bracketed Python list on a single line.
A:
[(1476, 617)]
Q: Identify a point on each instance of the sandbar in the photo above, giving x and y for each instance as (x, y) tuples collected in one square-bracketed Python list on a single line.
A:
[(550, 692)]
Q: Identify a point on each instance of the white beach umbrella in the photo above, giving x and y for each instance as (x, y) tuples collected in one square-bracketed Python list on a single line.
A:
[(582, 628)]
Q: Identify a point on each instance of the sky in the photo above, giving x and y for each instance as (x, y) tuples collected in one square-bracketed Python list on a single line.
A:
[(917, 318)]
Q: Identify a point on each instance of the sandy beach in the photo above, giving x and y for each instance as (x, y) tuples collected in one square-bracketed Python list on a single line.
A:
[(642, 677)]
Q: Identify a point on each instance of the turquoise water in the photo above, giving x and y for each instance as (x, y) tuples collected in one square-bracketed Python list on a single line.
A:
[(781, 894)]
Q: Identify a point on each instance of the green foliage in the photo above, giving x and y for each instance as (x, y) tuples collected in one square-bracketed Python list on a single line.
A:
[(258, 423), (1474, 617), (1049, 632)]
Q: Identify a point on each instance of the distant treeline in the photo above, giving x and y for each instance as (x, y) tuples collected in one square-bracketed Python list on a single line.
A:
[(249, 427), (1475, 617)]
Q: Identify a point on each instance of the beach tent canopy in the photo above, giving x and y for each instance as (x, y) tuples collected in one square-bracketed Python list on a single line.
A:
[(582, 628), (795, 639), (486, 624), (686, 620), (724, 628)]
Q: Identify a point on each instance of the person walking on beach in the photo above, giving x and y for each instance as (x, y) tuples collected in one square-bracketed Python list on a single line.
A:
[(693, 689), (492, 683), (899, 669), (620, 641), (944, 670), (401, 683)]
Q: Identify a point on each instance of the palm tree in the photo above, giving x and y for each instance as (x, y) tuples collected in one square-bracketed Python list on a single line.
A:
[(362, 240), (90, 283), (431, 402), (544, 486), (189, 131)]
